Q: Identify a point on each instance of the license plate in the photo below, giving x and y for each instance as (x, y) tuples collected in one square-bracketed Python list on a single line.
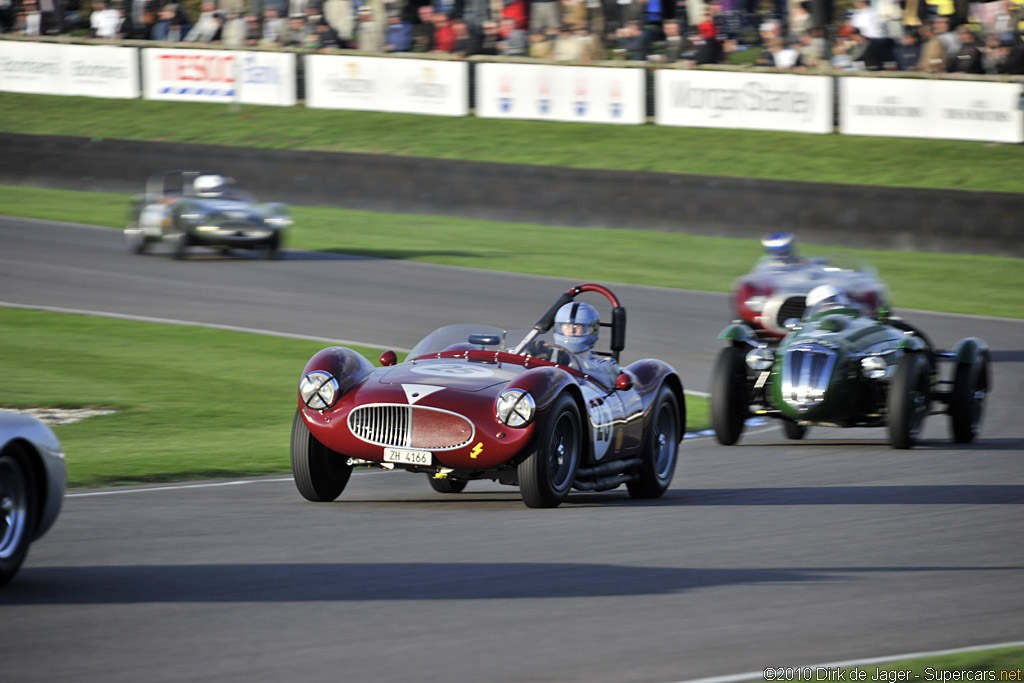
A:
[(408, 457)]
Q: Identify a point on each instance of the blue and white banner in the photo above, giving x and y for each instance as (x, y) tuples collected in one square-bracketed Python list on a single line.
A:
[(54, 69), (219, 76), (560, 93), (410, 86)]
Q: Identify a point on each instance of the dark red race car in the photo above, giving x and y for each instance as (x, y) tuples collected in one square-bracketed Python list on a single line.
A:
[(482, 402)]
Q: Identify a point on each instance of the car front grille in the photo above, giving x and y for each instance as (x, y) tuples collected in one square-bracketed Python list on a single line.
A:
[(404, 426), (793, 307), (806, 371)]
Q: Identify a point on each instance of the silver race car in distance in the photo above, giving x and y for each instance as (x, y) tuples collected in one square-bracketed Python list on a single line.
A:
[(199, 208)]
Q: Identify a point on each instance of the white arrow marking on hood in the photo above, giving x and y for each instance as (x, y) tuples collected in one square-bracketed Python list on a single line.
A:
[(414, 392)]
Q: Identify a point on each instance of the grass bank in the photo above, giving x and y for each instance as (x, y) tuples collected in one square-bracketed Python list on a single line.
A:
[(955, 283), (751, 154), (190, 401)]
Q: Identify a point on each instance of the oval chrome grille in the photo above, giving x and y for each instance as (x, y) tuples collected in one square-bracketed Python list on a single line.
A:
[(404, 426), (806, 371)]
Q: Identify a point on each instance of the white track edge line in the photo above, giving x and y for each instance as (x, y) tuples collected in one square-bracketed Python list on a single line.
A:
[(759, 675)]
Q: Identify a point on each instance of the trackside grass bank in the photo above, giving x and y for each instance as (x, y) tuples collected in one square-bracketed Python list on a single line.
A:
[(190, 402), (737, 153), (954, 283)]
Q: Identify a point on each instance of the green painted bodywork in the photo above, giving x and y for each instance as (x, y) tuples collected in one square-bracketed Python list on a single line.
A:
[(850, 398)]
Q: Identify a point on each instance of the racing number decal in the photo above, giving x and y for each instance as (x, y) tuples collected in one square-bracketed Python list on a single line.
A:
[(601, 415), (453, 370)]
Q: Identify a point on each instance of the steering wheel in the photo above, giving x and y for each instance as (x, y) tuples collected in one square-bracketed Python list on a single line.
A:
[(550, 351)]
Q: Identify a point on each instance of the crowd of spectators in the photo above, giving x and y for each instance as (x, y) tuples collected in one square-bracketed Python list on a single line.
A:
[(907, 35)]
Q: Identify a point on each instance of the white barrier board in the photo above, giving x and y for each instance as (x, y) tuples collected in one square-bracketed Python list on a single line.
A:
[(411, 86), (212, 76), (753, 101), (560, 93), (941, 109), (85, 70)]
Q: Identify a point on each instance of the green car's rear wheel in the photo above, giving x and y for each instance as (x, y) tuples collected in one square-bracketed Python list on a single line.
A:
[(446, 485), (908, 400), (970, 385)]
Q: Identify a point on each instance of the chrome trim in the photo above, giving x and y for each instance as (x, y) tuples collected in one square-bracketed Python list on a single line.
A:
[(390, 425), (806, 371)]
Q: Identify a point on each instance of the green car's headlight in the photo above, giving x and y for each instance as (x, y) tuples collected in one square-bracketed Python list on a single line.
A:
[(874, 367), (319, 390), (516, 407), (760, 358)]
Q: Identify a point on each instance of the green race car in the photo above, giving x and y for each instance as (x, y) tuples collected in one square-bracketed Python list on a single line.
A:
[(841, 368)]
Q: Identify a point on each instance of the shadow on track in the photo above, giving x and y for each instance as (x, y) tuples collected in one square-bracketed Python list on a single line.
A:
[(357, 582)]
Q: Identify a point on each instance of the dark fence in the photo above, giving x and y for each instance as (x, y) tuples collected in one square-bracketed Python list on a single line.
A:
[(851, 215)]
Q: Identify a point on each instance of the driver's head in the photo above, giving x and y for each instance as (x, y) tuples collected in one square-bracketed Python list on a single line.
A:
[(209, 185), (576, 327), (780, 246), (825, 298)]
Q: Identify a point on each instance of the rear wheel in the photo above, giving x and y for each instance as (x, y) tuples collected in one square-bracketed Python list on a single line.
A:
[(967, 405), (729, 407), (908, 400), (179, 244), (17, 510), (546, 477), (320, 473), (273, 248), (793, 430), (134, 240), (446, 485), (661, 449)]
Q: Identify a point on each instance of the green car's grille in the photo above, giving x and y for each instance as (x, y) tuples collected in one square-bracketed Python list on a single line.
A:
[(806, 371)]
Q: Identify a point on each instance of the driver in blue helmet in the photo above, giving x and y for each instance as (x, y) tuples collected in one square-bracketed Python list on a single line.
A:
[(781, 247), (576, 329)]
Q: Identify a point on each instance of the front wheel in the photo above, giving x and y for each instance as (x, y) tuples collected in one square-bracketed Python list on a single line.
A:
[(320, 473), (546, 477), (970, 385), (793, 430), (661, 448), (273, 247), (446, 485), (17, 511), (729, 405), (908, 400)]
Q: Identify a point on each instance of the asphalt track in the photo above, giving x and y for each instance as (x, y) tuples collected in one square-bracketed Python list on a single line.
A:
[(769, 553)]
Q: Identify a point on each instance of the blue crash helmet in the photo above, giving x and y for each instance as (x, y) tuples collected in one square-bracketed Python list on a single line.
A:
[(780, 246), (576, 327)]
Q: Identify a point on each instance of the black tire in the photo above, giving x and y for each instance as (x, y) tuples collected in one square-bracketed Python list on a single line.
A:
[(135, 241), (729, 407), (546, 477), (967, 404), (447, 485), (909, 397), (17, 510), (180, 243), (273, 248), (320, 473), (793, 430), (661, 450)]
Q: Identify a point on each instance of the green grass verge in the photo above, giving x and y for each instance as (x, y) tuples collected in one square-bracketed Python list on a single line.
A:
[(192, 402), (739, 153), (997, 665), (955, 283)]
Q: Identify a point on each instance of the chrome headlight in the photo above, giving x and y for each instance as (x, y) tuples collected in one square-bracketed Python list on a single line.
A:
[(756, 303), (319, 390), (279, 221), (760, 358), (516, 407), (873, 367)]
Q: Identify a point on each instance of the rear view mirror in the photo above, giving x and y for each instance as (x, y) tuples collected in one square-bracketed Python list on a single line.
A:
[(623, 382), (388, 358)]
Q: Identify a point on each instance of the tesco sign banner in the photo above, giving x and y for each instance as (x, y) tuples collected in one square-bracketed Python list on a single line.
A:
[(560, 93), (941, 109), (409, 86), (53, 69), (753, 101), (219, 76)]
